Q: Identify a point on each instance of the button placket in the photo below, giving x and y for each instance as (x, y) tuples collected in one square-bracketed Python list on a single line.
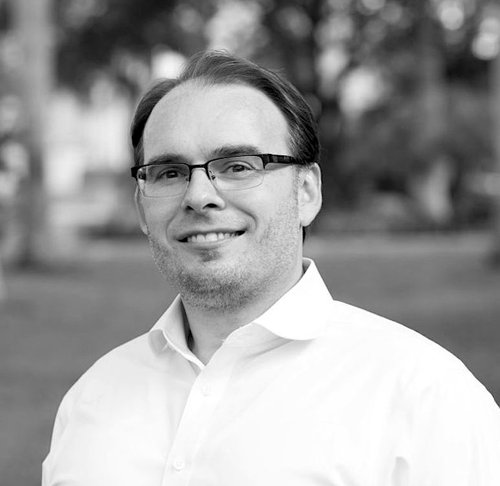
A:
[(199, 410)]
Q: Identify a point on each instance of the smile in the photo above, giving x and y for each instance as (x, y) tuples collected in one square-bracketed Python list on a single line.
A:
[(211, 237)]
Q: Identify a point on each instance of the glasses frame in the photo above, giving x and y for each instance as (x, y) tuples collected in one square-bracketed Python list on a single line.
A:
[(266, 159)]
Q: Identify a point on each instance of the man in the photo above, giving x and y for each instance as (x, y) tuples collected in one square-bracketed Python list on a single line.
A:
[(255, 375)]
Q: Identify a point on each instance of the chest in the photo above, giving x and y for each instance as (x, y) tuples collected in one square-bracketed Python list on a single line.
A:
[(257, 421)]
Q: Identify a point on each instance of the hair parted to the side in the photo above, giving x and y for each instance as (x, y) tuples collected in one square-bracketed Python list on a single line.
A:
[(219, 67)]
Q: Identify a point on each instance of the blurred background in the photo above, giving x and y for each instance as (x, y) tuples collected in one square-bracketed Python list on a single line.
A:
[(407, 95)]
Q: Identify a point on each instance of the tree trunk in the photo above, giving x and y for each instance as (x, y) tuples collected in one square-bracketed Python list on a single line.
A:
[(495, 115), (33, 29), (430, 127)]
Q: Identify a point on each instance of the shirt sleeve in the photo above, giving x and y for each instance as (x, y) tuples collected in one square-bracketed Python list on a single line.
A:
[(453, 434), (58, 429)]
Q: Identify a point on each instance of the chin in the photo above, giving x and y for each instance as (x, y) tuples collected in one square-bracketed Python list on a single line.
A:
[(206, 272), (212, 287), (212, 272)]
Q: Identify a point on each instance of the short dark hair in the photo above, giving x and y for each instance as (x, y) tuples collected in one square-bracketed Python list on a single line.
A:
[(218, 67)]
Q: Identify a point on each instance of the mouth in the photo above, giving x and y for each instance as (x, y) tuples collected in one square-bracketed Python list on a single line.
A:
[(211, 237)]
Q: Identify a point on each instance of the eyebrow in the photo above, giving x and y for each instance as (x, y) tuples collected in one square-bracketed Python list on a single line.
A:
[(222, 151), (230, 150), (166, 159)]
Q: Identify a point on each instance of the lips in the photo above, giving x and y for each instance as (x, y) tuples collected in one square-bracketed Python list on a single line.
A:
[(210, 236)]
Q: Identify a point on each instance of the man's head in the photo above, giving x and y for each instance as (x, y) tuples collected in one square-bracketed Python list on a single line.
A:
[(223, 242)]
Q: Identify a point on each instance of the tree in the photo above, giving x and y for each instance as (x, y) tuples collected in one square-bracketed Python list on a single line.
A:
[(495, 104), (119, 37), (33, 29), (420, 51)]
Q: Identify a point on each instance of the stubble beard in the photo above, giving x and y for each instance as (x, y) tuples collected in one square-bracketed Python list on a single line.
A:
[(221, 289), (215, 289)]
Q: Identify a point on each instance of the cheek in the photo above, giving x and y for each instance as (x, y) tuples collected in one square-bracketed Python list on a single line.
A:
[(158, 218), (280, 220)]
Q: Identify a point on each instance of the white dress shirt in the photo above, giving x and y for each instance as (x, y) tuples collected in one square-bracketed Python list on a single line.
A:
[(313, 392)]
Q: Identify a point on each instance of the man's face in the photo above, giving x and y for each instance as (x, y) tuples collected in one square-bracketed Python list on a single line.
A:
[(222, 249)]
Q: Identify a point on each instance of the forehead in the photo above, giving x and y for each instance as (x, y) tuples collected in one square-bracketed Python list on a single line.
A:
[(194, 120)]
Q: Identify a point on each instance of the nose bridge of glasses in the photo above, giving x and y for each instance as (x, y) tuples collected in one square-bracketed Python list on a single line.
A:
[(204, 167), (200, 190)]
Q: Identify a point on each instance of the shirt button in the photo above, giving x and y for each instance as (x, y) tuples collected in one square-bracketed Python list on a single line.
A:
[(205, 390), (179, 464)]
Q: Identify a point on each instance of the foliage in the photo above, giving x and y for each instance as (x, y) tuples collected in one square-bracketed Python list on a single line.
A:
[(118, 36), (433, 97), (432, 84)]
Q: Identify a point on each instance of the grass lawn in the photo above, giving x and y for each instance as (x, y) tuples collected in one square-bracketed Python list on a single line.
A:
[(56, 323)]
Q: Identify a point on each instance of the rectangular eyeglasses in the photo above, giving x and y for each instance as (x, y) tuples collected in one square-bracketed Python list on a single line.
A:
[(226, 173)]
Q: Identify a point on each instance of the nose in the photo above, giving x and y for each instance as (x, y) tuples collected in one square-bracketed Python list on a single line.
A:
[(201, 194)]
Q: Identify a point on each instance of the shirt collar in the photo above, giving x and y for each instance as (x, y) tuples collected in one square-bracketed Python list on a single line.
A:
[(169, 330), (300, 314)]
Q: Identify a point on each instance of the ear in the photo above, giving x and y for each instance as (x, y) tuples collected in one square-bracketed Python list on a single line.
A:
[(310, 198), (140, 211)]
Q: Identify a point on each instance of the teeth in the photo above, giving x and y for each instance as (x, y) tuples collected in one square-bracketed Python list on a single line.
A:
[(201, 238)]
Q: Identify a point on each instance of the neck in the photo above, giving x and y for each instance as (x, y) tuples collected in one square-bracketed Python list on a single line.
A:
[(212, 321)]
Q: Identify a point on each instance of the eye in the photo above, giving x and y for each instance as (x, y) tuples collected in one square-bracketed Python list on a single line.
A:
[(238, 166), (169, 173)]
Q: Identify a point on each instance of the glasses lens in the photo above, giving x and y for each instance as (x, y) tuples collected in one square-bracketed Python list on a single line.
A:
[(239, 172), (163, 180)]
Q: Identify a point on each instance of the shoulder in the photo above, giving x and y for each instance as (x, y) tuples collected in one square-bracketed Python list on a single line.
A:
[(134, 353), (359, 325), (121, 366), (394, 364), (395, 350)]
